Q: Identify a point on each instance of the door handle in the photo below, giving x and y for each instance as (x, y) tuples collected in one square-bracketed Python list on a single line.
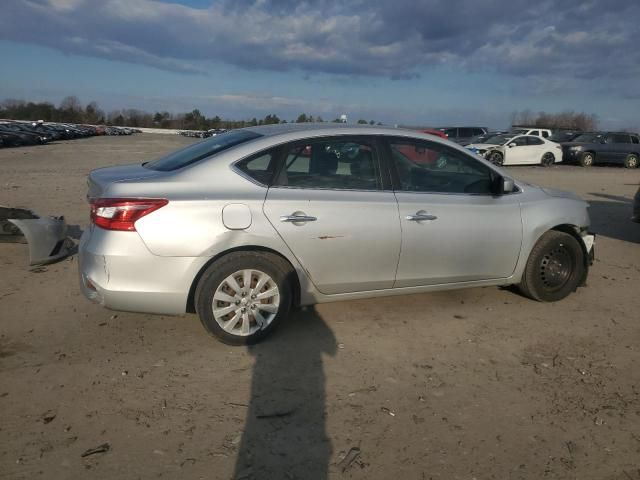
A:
[(420, 216), (297, 218)]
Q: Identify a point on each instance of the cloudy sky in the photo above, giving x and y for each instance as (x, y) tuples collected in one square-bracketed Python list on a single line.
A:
[(430, 62)]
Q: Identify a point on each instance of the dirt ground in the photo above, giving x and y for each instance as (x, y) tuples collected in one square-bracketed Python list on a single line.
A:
[(470, 384)]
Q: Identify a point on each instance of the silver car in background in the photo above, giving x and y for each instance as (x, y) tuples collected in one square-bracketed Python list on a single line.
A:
[(244, 226)]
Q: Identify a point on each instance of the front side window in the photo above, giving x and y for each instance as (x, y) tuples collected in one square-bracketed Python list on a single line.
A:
[(201, 150), (434, 168), (331, 164), (531, 140)]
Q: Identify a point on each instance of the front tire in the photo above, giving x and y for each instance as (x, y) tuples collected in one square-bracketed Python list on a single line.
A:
[(631, 161), (587, 159), (496, 158), (243, 296), (555, 268)]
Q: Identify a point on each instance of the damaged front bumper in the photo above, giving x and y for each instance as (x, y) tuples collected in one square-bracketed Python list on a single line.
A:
[(46, 237)]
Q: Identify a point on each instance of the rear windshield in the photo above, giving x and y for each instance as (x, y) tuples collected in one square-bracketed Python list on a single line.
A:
[(198, 151)]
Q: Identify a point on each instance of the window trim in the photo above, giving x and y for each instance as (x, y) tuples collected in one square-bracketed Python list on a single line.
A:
[(388, 159), (373, 140)]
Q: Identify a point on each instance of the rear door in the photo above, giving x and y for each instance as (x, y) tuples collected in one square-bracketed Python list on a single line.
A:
[(453, 228), (329, 205)]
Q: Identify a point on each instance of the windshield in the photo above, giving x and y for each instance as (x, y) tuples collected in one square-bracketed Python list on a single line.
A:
[(587, 138), (198, 151), (498, 139)]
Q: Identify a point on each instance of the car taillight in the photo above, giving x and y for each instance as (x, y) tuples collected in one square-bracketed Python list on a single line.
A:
[(122, 213)]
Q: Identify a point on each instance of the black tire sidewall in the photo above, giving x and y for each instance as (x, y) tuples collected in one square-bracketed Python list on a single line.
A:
[(533, 283), (221, 269)]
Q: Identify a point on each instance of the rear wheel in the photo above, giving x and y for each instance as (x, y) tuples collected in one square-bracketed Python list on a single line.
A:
[(631, 161), (548, 159), (243, 296), (554, 269), (587, 159)]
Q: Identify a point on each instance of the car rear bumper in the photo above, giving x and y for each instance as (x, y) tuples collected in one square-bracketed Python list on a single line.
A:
[(117, 271)]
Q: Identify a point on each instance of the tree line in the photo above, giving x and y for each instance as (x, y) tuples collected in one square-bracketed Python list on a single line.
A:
[(71, 110), (565, 120)]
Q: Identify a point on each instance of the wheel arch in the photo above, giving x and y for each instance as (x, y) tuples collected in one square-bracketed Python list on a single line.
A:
[(244, 248), (574, 231)]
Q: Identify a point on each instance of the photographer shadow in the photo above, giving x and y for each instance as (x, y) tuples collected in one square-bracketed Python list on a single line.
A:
[(285, 434)]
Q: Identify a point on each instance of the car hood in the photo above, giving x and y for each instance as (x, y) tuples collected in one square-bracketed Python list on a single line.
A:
[(484, 146)]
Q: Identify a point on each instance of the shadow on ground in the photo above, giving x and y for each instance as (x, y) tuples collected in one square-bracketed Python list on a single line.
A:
[(612, 218), (285, 435)]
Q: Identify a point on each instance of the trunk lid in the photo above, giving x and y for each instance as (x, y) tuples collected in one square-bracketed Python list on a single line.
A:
[(100, 179)]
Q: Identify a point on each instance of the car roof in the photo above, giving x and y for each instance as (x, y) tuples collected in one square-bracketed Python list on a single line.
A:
[(319, 129)]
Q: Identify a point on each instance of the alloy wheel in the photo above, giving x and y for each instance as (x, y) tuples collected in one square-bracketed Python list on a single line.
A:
[(245, 302)]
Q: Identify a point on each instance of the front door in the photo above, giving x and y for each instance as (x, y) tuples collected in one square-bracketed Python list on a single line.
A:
[(453, 228), (329, 207)]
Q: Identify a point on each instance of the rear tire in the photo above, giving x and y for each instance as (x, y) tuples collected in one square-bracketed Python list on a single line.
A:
[(555, 268), (631, 161), (587, 159), (239, 309), (548, 159)]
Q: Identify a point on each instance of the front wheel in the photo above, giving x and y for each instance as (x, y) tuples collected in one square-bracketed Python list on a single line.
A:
[(631, 161), (555, 268), (586, 159), (243, 296), (496, 158)]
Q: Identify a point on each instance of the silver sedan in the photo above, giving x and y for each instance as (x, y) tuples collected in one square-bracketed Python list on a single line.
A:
[(244, 226)]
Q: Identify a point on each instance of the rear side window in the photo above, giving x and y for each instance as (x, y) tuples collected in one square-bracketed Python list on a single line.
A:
[(331, 164), (635, 139), (534, 140), (619, 138), (259, 167), (545, 134), (201, 150)]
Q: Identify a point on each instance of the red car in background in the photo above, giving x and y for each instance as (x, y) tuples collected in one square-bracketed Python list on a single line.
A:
[(421, 155), (438, 133)]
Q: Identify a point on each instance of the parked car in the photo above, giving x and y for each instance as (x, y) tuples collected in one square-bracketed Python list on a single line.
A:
[(241, 227), (433, 131), (462, 135), (512, 149), (636, 207), (538, 132), (603, 147), (562, 136)]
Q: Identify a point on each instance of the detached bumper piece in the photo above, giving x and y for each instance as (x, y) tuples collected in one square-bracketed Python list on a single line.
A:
[(47, 237)]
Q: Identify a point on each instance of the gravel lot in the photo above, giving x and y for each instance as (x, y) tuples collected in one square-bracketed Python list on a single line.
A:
[(478, 383)]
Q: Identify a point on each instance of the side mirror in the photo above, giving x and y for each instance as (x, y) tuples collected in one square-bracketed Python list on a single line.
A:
[(502, 185), (508, 185), (511, 145)]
